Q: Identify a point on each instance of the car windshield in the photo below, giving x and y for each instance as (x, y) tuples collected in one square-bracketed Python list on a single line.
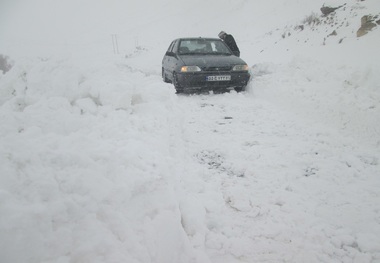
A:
[(203, 46)]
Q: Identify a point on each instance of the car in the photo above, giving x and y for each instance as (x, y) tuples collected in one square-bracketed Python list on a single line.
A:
[(198, 64)]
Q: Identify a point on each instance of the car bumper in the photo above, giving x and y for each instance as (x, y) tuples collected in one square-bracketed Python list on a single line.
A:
[(197, 81)]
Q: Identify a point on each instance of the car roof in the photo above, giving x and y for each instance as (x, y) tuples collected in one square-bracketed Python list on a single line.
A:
[(193, 38)]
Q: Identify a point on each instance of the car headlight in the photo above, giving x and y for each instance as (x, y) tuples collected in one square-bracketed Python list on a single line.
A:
[(240, 68), (190, 69)]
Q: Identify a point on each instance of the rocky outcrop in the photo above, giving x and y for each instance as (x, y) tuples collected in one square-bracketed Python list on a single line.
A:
[(367, 24), (334, 24), (328, 10)]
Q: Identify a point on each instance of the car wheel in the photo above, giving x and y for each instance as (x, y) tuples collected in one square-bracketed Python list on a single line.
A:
[(240, 89), (164, 78)]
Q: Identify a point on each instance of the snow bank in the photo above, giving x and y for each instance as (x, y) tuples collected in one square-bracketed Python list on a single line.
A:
[(330, 79), (85, 168), (346, 98)]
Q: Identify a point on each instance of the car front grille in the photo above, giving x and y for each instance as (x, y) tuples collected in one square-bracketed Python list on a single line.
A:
[(228, 68)]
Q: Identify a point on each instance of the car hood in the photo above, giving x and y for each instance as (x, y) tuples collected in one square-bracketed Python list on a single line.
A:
[(212, 61)]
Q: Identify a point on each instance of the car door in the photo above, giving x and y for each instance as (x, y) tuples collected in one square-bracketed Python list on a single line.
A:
[(173, 59), (167, 62)]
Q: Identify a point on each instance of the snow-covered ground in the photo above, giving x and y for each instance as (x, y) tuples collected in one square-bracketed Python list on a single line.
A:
[(100, 161)]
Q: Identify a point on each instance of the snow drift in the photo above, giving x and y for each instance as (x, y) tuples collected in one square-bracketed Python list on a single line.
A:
[(100, 161)]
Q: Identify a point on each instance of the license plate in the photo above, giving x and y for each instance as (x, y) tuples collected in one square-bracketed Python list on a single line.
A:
[(218, 78)]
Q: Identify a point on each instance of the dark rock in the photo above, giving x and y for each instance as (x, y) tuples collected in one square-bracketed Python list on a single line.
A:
[(328, 10), (367, 24)]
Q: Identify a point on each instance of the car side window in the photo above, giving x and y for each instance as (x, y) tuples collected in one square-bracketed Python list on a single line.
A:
[(175, 46), (171, 47)]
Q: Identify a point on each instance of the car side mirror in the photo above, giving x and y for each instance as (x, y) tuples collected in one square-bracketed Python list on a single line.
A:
[(170, 54)]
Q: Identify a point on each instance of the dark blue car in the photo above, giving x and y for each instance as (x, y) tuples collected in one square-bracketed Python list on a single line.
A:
[(197, 64)]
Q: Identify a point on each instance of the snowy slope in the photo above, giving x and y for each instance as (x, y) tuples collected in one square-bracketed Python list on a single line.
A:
[(100, 161)]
